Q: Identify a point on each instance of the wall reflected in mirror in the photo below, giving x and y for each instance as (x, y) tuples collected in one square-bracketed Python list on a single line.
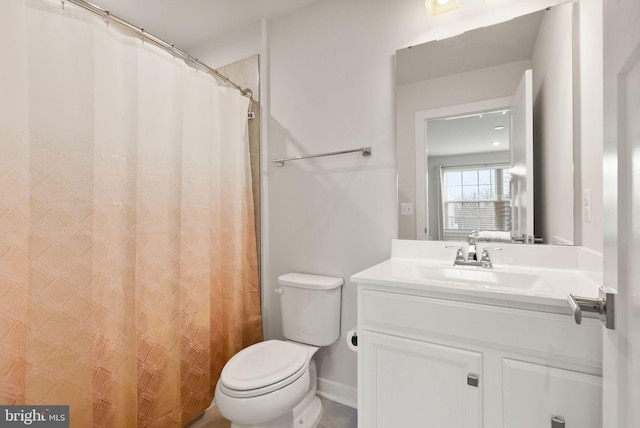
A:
[(438, 79)]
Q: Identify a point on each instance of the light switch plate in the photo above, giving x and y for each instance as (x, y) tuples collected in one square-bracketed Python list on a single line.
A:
[(406, 208), (586, 205)]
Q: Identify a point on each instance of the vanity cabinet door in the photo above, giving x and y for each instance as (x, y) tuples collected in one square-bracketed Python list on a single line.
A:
[(409, 383), (533, 394)]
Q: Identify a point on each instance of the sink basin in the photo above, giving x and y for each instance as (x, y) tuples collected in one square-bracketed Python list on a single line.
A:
[(484, 278), (523, 276)]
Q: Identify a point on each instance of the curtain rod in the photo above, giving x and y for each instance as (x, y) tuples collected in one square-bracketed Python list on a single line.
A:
[(159, 42)]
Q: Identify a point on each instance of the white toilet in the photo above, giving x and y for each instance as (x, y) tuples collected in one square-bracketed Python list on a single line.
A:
[(273, 383)]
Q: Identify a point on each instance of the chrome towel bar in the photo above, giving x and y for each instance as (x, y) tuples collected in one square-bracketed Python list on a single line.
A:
[(366, 151)]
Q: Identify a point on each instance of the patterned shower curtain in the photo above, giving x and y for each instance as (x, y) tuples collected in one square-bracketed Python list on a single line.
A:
[(128, 271)]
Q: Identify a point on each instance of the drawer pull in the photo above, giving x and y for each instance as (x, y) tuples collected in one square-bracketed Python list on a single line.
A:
[(472, 380), (557, 422)]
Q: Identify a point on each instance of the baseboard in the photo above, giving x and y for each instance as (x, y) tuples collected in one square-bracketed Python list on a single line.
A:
[(338, 392)]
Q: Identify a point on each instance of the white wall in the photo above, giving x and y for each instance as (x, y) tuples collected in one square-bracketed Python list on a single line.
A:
[(328, 84), (331, 88), (590, 129)]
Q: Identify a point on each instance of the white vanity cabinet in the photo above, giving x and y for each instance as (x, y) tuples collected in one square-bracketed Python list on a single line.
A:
[(427, 360), (398, 375), (532, 392)]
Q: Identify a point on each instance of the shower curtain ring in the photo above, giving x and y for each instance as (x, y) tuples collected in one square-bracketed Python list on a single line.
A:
[(106, 18), (62, 4), (142, 34), (173, 50)]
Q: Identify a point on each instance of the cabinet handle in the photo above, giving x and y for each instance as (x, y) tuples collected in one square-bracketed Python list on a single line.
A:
[(472, 380), (557, 422)]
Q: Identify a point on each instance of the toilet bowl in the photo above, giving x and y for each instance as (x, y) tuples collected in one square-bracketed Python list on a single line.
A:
[(272, 384)]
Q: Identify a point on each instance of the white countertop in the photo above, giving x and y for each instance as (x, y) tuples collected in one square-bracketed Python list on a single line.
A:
[(531, 286)]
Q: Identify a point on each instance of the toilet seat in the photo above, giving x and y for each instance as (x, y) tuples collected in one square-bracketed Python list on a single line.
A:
[(263, 368)]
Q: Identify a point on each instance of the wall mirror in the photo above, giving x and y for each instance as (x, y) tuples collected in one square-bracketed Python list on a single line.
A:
[(485, 132)]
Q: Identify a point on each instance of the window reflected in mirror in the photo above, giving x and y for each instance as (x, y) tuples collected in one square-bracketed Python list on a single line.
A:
[(475, 197)]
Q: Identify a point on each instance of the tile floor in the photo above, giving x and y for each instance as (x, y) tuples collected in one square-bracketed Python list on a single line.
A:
[(334, 415)]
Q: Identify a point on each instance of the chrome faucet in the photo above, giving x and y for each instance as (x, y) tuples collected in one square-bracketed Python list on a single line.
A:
[(472, 254), (472, 239)]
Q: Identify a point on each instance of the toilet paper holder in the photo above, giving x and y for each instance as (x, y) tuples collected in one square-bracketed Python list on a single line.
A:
[(352, 339)]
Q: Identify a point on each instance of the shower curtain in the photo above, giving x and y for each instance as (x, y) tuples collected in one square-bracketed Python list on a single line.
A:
[(128, 271)]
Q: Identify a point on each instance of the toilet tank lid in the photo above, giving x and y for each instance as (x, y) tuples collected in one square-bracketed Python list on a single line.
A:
[(303, 280)]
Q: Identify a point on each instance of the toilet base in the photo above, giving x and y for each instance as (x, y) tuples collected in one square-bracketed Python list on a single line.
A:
[(306, 414), (308, 417)]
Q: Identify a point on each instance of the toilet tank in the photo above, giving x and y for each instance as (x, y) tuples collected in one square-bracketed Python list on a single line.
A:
[(310, 306)]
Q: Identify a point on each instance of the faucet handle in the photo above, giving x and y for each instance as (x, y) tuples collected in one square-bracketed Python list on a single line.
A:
[(473, 237), (485, 260), (459, 253), (485, 251)]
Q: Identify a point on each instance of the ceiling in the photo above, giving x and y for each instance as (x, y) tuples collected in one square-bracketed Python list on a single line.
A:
[(472, 133), (188, 23), (507, 42)]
